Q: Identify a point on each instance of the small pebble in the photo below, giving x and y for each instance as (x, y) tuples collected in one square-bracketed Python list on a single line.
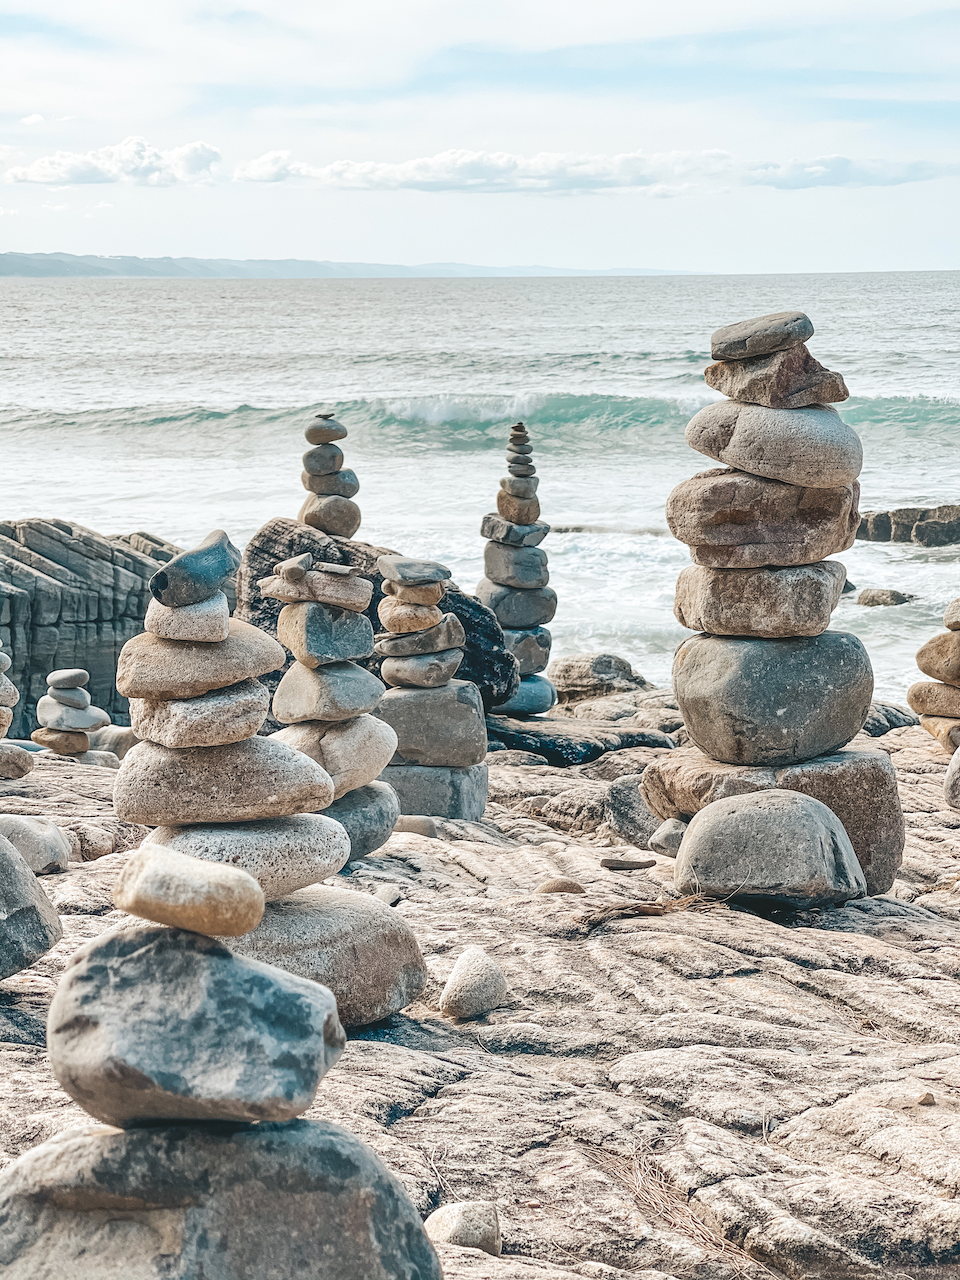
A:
[(627, 864), (560, 885), (476, 985), (388, 893), (471, 1224), (295, 569), (417, 824), (927, 1100)]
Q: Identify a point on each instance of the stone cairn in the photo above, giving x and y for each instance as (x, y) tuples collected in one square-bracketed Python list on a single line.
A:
[(515, 578), (15, 762), (937, 701), (67, 718), (201, 1061), (329, 702), (330, 486), (768, 694), (439, 722)]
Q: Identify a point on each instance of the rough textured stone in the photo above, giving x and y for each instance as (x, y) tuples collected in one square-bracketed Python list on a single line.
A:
[(667, 838), (425, 593), (446, 635), (592, 675), (777, 846), (524, 567), (10, 695), (333, 514), (342, 591), (54, 715), (520, 486), (951, 618), (442, 726), (368, 815), (775, 332), (560, 884), (194, 576), (275, 1200), (517, 610), (113, 737), (324, 460), (790, 379), (29, 925), (422, 671), (152, 1024), (410, 571), (931, 698), (731, 520), (535, 695), (475, 986), (317, 634), (163, 670), (517, 510), (566, 742), (207, 622), (530, 647), (471, 1224), (882, 596), (951, 783), (335, 691), (343, 483), (40, 842), (438, 791), (399, 617), (766, 603), (15, 762), (258, 778), (63, 741), (353, 752), (940, 658), (772, 702), (494, 527), (161, 884), (860, 787), (946, 730), (213, 719), (812, 447), (350, 942), (626, 812)]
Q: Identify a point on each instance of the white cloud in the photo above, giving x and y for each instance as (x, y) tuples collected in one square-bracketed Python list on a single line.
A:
[(8, 213), (133, 160), (34, 119)]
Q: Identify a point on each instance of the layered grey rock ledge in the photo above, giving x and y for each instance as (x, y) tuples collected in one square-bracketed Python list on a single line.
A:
[(924, 526)]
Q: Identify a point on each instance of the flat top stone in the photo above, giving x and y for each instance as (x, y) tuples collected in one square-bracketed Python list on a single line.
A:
[(68, 678), (762, 334), (176, 889), (412, 572)]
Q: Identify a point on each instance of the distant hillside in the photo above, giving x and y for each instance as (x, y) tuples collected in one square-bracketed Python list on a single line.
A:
[(68, 264)]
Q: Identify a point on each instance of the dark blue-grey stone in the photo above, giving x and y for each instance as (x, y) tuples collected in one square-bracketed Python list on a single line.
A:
[(368, 815), (497, 529), (339, 484), (195, 576), (535, 695)]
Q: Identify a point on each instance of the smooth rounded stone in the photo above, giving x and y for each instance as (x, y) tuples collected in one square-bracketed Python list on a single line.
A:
[(560, 884), (368, 815), (518, 510), (281, 854), (520, 486), (439, 792), (520, 470), (62, 741), (447, 634), (207, 622), (323, 460), (335, 691), (348, 941), (342, 591), (29, 925), (790, 379), (353, 752), (951, 782), (946, 730), (940, 657), (116, 738), (319, 634), (160, 884), (476, 985), (337, 516), (951, 618), (773, 702), (515, 459), (931, 698), (812, 447), (194, 576), (212, 720), (442, 726), (399, 618), (78, 698), (100, 759), (424, 670), (860, 787), (667, 838), (15, 762), (40, 842), (535, 695), (324, 430), (497, 529), (256, 778), (154, 1025), (413, 573), (518, 610), (299, 1199), (429, 593), (761, 335), (418, 825), (521, 567), (530, 647), (731, 520), (6, 720), (625, 811), (68, 678), (54, 715), (6, 662), (767, 603), (343, 484), (471, 1224), (873, 597), (169, 670), (776, 846)]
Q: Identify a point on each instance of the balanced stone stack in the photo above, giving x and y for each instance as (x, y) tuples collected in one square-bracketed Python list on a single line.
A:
[(515, 578), (15, 762), (439, 722), (329, 484), (768, 694), (327, 701), (199, 1061), (937, 701), (67, 718)]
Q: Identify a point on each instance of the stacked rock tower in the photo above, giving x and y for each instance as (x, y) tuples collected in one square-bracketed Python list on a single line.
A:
[(66, 716), (515, 578), (15, 762), (937, 701), (768, 694), (439, 722), (329, 484)]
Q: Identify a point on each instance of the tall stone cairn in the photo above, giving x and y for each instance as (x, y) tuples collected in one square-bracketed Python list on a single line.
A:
[(768, 694), (937, 700), (67, 718), (438, 768), (15, 762), (329, 484), (515, 578)]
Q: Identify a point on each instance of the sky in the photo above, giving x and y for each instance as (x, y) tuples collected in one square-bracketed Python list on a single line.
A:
[(695, 136)]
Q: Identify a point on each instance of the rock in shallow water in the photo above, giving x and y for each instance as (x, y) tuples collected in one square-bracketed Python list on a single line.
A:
[(29, 926)]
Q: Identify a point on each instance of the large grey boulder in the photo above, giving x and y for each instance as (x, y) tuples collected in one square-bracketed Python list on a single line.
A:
[(772, 702), (154, 1024), (593, 675), (439, 791), (29, 925), (764, 603), (442, 726), (760, 335), (301, 1199), (368, 815), (775, 846), (40, 842)]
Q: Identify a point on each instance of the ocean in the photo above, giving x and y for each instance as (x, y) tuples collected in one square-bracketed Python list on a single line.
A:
[(178, 406)]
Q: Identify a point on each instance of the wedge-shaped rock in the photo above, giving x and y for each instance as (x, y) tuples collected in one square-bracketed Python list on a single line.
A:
[(207, 622), (530, 647), (29, 925), (151, 1025), (164, 670), (317, 633), (212, 720), (368, 815), (789, 379), (256, 778), (422, 671), (768, 603), (448, 634), (494, 527), (353, 752), (342, 591), (940, 658), (194, 576), (511, 566), (775, 332), (518, 610), (337, 691), (442, 726), (946, 730), (442, 792), (158, 883)]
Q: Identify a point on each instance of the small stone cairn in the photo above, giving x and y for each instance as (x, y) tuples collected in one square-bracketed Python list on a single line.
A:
[(201, 1061), (439, 722), (67, 719), (768, 694), (937, 701), (327, 701), (330, 486), (515, 578), (15, 762)]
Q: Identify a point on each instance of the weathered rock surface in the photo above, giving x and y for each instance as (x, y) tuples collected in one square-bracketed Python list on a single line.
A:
[(625, 810), (882, 597), (333, 514), (531, 648), (210, 720), (523, 567), (207, 621), (422, 671), (442, 726), (353, 752), (335, 691), (446, 635), (29, 926), (535, 696), (518, 610), (565, 742), (946, 730), (475, 986), (790, 379), (15, 762), (368, 815), (438, 790), (40, 842), (932, 698), (746, 338), (472, 1224), (766, 603), (164, 670), (169, 887), (593, 675), (494, 527), (925, 526), (940, 657)]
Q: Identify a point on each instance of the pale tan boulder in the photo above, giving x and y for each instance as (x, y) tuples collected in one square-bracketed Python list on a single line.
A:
[(212, 720), (932, 698), (341, 590), (160, 670), (795, 601), (172, 888), (940, 657), (207, 622), (15, 762), (427, 593), (353, 752)]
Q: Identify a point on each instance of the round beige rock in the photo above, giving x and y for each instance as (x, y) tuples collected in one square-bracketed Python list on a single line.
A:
[(162, 670), (6, 720), (428, 593), (471, 1224), (399, 617), (214, 719), (15, 762), (353, 752), (159, 884), (476, 985), (931, 698), (207, 622), (940, 658)]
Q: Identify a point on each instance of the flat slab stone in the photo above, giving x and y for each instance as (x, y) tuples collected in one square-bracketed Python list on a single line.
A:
[(162, 670), (422, 671), (766, 603), (756, 337), (194, 576), (410, 571), (342, 591), (940, 657), (442, 726), (160, 884), (789, 379), (368, 815), (54, 715), (530, 647), (29, 925), (319, 633), (212, 720), (773, 702), (494, 527), (438, 791), (535, 695), (518, 610), (207, 622), (257, 778), (68, 697), (152, 1024), (353, 752), (335, 691), (68, 678), (448, 634), (933, 698)]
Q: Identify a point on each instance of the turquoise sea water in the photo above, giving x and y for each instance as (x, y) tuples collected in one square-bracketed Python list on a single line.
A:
[(178, 406)]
